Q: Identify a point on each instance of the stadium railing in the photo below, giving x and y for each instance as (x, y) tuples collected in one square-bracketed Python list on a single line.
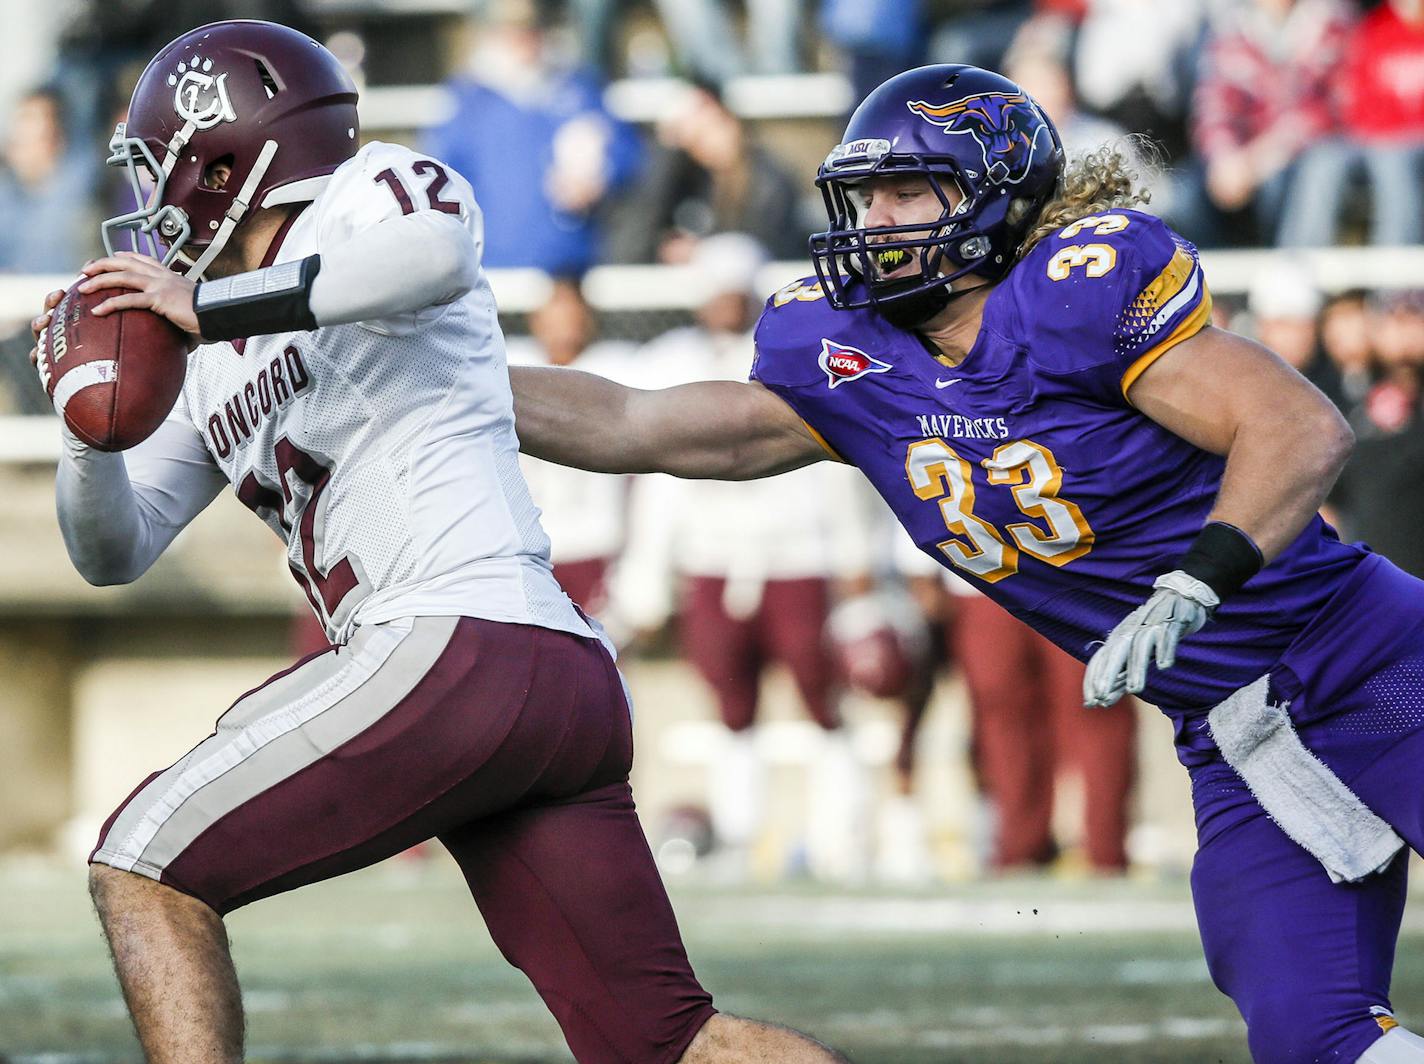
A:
[(389, 108)]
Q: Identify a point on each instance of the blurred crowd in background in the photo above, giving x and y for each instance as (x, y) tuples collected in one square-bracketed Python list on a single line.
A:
[(1281, 122), (1278, 124)]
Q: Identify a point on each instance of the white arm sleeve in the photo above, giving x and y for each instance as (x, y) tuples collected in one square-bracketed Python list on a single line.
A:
[(118, 512), (399, 266)]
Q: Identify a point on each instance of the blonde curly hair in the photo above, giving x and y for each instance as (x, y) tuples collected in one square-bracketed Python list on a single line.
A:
[(1111, 176)]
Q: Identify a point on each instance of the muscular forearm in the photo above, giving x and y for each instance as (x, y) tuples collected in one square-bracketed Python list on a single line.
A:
[(576, 419), (1284, 442), (1284, 445), (710, 430), (1278, 469), (1278, 475)]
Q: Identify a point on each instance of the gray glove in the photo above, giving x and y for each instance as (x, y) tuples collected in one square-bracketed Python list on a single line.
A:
[(1180, 605)]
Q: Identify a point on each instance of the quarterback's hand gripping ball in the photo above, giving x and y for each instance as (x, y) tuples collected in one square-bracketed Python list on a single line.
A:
[(113, 377), (147, 285)]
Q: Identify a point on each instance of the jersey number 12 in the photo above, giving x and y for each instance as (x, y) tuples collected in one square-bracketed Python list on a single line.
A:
[(433, 187), (330, 589)]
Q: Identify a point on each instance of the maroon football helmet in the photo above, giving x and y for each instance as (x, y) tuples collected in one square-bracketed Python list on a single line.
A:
[(880, 642), (269, 101)]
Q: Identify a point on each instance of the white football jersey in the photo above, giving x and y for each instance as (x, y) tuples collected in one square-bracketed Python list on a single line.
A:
[(383, 452)]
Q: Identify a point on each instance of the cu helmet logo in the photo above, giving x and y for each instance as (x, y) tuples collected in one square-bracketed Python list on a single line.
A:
[(200, 98), (1006, 126)]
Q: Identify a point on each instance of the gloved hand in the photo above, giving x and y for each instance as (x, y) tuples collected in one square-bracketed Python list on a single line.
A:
[(1180, 605)]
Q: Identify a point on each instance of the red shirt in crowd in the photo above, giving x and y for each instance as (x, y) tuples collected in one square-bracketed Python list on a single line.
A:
[(1382, 80), (1262, 76)]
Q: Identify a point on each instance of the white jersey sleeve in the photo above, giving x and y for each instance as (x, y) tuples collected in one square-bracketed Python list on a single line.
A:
[(119, 512), (172, 472), (399, 267), (417, 203)]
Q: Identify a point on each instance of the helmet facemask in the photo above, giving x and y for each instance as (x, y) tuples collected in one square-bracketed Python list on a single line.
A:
[(162, 228), (227, 95), (165, 228), (945, 249)]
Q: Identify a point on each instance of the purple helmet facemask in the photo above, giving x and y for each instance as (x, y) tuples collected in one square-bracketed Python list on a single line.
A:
[(959, 128)]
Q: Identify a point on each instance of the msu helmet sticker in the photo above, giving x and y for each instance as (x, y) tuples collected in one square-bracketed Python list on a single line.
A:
[(1005, 126), (200, 98)]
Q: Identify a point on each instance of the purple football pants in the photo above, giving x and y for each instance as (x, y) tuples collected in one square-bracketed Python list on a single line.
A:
[(1306, 960)]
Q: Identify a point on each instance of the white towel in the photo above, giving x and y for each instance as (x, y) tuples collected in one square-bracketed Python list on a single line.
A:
[(1297, 790)]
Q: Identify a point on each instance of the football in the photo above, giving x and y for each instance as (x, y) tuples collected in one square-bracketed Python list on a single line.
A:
[(113, 378)]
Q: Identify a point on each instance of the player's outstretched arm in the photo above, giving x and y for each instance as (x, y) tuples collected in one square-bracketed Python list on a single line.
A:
[(711, 430)]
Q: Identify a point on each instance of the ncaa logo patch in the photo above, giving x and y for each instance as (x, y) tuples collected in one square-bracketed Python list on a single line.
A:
[(843, 363)]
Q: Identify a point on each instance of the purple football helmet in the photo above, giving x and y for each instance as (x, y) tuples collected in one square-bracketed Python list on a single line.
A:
[(959, 126), (270, 102)]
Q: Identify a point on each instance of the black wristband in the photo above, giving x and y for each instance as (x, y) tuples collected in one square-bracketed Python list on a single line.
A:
[(272, 300), (1222, 557)]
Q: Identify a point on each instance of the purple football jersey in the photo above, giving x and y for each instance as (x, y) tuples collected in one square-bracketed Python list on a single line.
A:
[(1026, 470)]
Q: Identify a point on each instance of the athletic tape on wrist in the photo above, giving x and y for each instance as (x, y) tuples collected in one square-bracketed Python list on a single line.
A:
[(1223, 557), (272, 300)]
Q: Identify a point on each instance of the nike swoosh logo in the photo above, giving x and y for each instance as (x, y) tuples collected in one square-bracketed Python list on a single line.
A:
[(945, 384)]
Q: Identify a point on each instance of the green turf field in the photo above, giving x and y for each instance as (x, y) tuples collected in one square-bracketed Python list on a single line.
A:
[(394, 965)]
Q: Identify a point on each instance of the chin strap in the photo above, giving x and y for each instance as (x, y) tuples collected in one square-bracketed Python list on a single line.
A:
[(909, 312), (235, 213)]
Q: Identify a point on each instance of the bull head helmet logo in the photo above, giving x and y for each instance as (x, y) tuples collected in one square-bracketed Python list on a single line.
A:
[(1006, 127)]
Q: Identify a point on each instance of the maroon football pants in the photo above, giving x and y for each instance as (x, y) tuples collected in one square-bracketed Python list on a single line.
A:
[(586, 582), (729, 652), (509, 743), (1029, 725)]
